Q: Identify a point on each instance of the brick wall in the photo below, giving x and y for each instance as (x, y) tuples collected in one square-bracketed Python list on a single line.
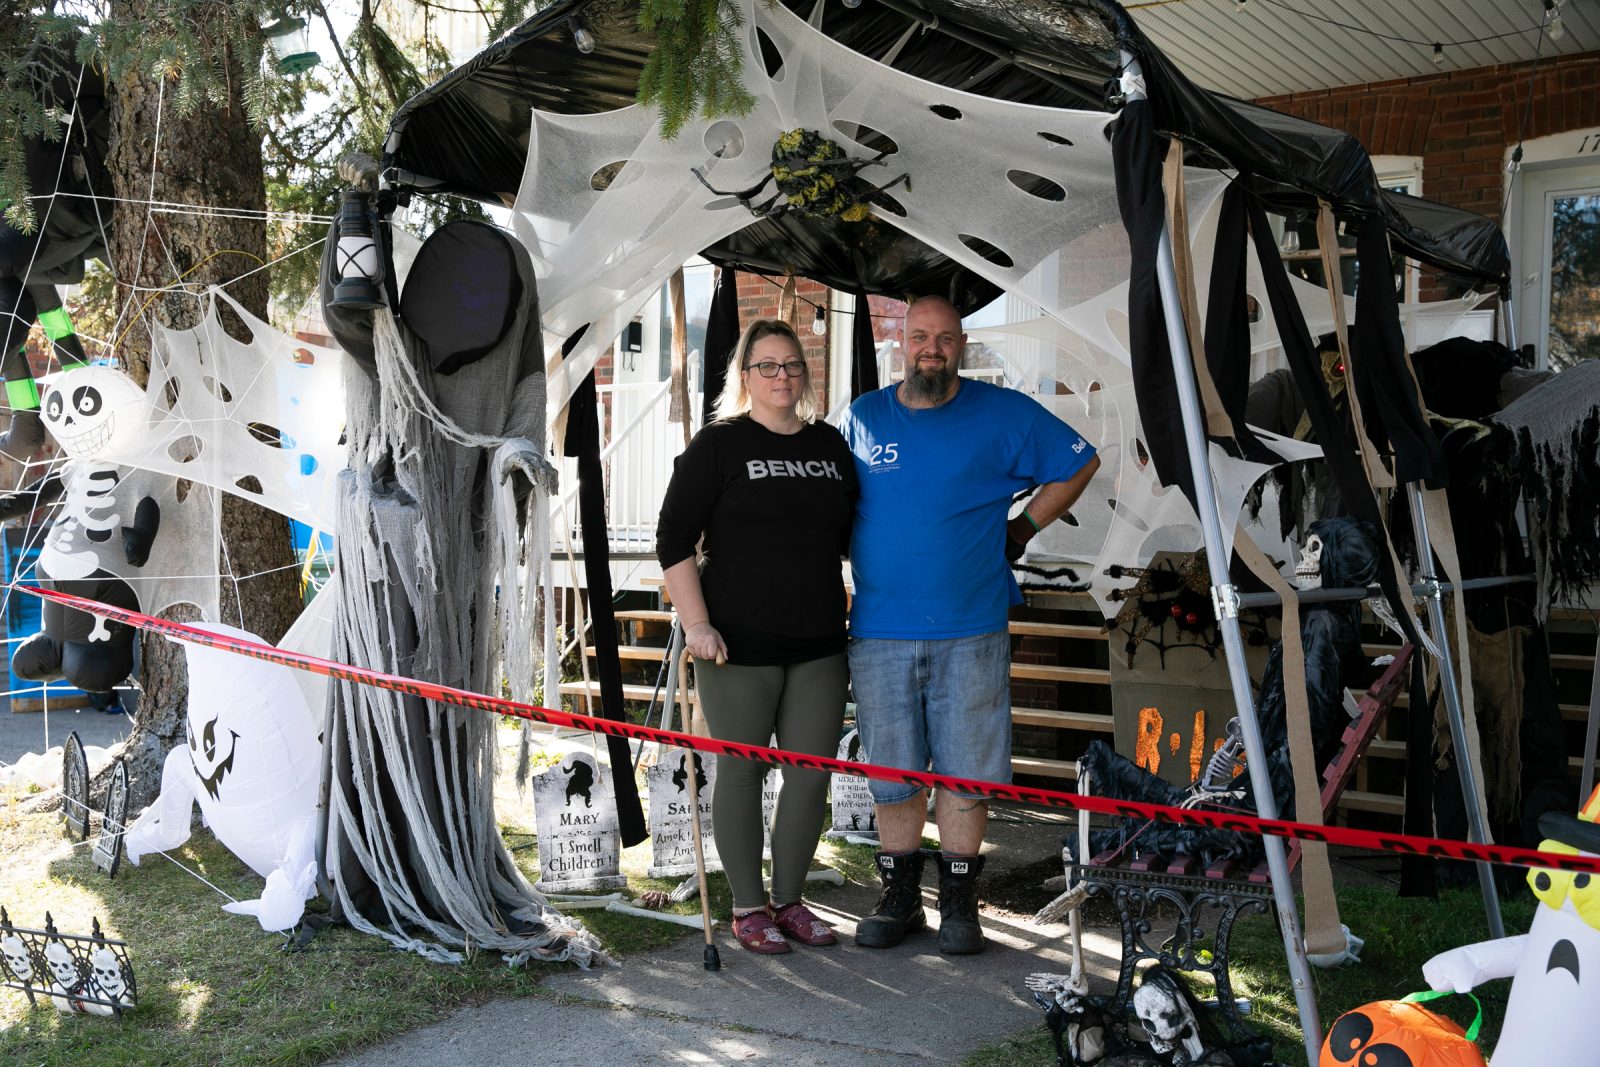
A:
[(1460, 123)]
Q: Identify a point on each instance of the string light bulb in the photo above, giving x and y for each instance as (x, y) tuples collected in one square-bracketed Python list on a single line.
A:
[(1553, 23), (1438, 54), (819, 323), (582, 37), (1291, 235), (1238, 7), (852, 4)]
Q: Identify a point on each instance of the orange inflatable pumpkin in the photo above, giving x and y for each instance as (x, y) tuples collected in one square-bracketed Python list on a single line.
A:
[(1396, 1033)]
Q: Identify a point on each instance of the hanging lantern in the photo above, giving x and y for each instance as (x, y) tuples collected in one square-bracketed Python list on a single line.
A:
[(290, 41)]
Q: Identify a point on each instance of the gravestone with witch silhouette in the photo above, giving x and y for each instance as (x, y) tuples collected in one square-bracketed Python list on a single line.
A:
[(851, 800), (671, 832), (575, 813)]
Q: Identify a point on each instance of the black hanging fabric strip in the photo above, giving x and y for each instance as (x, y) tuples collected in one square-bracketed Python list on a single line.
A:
[(583, 444), (864, 367), (1228, 324), (1416, 872), (1136, 153), (722, 334), (1385, 385)]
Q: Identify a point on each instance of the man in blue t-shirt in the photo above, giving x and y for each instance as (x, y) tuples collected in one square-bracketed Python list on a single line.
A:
[(939, 461)]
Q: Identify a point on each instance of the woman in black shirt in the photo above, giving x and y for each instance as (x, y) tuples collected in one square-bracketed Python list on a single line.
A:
[(768, 494)]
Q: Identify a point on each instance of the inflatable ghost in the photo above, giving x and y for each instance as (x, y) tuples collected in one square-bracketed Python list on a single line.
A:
[(1555, 967), (252, 764)]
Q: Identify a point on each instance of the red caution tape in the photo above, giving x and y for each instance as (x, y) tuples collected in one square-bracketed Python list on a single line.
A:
[(1373, 840)]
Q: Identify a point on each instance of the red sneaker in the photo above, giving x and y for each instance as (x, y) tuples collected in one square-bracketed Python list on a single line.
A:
[(799, 922), (758, 933)]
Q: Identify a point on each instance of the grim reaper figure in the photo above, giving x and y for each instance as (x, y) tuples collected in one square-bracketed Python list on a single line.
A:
[(1331, 637), (442, 516)]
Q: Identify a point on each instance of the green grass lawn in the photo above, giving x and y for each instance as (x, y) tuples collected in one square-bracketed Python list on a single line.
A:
[(215, 989)]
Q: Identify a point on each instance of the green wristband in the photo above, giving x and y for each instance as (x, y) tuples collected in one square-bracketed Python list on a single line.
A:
[(1036, 527)]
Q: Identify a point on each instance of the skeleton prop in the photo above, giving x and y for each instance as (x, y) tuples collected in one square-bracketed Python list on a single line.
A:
[(1554, 967), (1331, 639)]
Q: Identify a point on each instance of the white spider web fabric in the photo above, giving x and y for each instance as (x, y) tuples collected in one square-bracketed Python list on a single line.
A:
[(601, 253)]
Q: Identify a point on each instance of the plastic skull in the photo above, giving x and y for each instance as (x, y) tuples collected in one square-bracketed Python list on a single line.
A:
[(16, 956), (1308, 575), (62, 964), (105, 971), (1168, 1022), (92, 409)]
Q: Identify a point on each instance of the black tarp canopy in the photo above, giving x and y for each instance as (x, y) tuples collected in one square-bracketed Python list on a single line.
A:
[(468, 133)]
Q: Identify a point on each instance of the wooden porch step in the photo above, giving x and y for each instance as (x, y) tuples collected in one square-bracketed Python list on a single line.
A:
[(652, 653), (1045, 768), (1567, 661), (644, 615), (1029, 628), (1050, 672), (1381, 803), (592, 690), (1569, 712), (1062, 720)]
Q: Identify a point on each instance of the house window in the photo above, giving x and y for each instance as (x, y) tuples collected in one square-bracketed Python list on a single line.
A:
[(1559, 263)]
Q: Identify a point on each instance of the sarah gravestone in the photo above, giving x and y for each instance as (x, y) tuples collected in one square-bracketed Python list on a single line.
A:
[(671, 832)]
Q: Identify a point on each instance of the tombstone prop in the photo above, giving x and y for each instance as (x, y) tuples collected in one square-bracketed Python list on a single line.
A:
[(771, 786), (575, 813), (853, 813), (107, 851), (79, 974), (671, 832), (75, 787)]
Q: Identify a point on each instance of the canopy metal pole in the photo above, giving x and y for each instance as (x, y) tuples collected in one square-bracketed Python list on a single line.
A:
[(1592, 731), (1225, 599), (1511, 323), (1477, 830)]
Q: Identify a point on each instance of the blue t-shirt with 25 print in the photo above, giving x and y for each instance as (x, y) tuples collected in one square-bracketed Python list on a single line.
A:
[(928, 551)]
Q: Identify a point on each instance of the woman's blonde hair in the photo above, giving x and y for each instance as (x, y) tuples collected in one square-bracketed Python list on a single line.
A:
[(735, 397)]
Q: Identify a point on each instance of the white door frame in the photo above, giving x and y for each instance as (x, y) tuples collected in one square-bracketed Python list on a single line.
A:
[(1562, 163)]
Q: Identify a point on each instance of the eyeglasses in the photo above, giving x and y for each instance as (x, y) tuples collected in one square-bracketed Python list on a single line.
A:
[(794, 368)]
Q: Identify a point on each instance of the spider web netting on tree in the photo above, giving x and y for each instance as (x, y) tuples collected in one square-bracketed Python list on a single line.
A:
[(608, 210), (259, 417)]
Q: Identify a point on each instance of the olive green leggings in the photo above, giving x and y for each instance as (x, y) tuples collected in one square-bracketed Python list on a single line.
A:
[(803, 703)]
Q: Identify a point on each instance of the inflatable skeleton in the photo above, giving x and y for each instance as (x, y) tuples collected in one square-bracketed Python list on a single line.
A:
[(104, 536)]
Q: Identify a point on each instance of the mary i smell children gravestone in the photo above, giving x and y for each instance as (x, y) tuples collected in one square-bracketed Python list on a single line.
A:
[(575, 811), (671, 832)]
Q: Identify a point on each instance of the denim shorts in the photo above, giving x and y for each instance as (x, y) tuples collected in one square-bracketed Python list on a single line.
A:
[(944, 704)]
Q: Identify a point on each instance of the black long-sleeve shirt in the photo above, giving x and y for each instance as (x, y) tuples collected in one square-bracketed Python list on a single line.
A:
[(775, 511)]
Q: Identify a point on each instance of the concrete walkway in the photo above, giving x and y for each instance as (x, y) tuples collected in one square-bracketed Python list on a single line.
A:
[(829, 1007)]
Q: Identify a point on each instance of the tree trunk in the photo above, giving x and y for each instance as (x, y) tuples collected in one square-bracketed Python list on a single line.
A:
[(211, 158)]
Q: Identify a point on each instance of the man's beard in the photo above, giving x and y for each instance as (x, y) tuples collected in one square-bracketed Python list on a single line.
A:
[(930, 385)]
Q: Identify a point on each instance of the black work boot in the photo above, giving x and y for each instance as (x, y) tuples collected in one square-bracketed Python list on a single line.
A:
[(959, 932), (899, 908)]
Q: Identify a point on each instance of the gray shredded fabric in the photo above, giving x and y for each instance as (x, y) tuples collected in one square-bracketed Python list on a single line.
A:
[(1556, 428), (438, 575)]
